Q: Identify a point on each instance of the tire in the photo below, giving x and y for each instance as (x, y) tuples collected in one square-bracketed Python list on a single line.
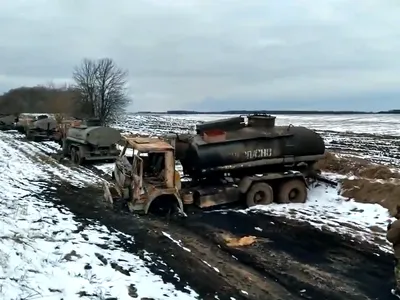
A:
[(292, 191), (79, 156), (64, 145), (260, 193), (73, 155), (29, 136)]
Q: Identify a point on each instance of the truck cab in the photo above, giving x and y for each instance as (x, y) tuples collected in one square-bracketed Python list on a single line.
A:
[(144, 175)]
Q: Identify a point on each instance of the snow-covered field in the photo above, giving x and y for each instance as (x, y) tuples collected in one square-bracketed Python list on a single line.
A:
[(43, 255)]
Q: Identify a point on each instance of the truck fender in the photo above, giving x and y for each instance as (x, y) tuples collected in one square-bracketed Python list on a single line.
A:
[(158, 195), (303, 178), (245, 184)]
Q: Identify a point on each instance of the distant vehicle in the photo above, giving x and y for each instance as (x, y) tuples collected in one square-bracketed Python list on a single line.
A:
[(39, 128), (7, 122), (226, 161), (90, 141)]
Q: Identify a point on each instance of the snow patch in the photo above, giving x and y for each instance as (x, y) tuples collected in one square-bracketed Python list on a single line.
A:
[(326, 209), (45, 253)]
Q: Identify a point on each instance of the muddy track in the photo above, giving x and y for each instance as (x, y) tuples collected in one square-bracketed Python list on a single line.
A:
[(230, 279), (288, 261), (325, 265)]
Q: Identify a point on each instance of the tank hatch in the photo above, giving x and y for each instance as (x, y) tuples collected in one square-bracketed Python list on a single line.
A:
[(261, 120), (214, 136), (227, 124)]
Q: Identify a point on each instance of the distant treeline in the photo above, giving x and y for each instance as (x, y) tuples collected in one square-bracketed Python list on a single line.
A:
[(272, 112)]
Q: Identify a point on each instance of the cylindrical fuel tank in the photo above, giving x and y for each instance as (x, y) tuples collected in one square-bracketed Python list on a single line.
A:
[(251, 144), (94, 135), (45, 124)]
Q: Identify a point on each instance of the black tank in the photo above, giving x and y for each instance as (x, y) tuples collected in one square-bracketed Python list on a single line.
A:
[(235, 145)]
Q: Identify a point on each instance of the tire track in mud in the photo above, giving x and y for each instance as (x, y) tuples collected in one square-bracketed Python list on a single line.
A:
[(326, 265), (87, 205), (188, 261), (290, 261)]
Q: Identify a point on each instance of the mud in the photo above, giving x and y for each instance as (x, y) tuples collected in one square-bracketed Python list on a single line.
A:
[(363, 190), (355, 166), (373, 183), (286, 260)]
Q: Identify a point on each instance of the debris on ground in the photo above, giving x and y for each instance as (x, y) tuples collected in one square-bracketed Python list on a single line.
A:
[(240, 242)]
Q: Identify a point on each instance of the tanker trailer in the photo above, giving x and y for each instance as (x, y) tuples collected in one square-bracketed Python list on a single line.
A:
[(255, 162), (40, 128), (91, 142), (256, 147)]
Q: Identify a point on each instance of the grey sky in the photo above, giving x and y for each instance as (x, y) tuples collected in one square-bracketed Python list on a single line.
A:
[(182, 52)]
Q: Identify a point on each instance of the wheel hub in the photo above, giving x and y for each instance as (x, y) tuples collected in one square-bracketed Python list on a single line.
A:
[(259, 196), (293, 194)]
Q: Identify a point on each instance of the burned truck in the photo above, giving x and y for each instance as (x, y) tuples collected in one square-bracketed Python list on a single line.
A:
[(228, 160), (40, 128), (91, 142), (7, 122)]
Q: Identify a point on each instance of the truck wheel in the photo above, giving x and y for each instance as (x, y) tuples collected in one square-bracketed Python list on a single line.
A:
[(73, 155), (28, 135), (292, 191), (260, 193), (80, 156)]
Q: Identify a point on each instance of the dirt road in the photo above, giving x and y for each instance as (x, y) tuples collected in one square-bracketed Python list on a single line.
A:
[(287, 261)]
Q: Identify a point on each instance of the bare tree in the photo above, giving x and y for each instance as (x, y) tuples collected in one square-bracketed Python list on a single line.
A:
[(103, 89)]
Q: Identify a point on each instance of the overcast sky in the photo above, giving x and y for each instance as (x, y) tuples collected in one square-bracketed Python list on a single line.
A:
[(214, 54)]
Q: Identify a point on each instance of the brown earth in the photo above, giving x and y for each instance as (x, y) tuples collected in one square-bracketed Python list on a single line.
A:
[(373, 183)]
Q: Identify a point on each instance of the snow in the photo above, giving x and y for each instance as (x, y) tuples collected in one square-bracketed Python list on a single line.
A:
[(388, 124), (43, 254), (326, 209), (179, 243)]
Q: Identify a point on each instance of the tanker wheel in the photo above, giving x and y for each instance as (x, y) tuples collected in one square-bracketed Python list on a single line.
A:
[(260, 193), (78, 159), (292, 191), (29, 135), (73, 155)]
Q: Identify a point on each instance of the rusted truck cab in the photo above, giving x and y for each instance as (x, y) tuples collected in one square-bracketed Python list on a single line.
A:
[(144, 176)]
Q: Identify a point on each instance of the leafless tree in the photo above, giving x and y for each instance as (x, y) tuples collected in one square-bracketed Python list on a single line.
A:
[(103, 89)]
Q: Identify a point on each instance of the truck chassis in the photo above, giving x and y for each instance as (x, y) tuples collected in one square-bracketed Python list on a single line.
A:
[(148, 182)]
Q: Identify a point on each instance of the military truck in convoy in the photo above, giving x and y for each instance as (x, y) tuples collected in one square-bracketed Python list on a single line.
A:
[(7, 121), (90, 142), (226, 160), (39, 128)]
